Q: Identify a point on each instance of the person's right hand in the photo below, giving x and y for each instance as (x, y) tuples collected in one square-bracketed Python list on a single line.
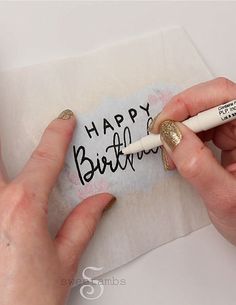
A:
[(186, 151)]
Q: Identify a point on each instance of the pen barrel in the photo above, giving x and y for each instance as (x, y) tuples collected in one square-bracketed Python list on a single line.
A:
[(213, 117), (150, 141), (202, 121)]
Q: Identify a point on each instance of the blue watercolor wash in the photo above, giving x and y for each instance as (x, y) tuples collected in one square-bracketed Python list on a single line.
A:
[(142, 174)]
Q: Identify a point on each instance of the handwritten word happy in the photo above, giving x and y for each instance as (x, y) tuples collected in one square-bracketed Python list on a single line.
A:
[(118, 119)]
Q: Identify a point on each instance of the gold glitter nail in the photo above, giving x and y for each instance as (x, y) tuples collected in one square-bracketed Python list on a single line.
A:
[(110, 204), (66, 114), (151, 126), (165, 159), (170, 134)]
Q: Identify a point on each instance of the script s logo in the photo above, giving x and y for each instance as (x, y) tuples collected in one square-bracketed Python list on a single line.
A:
[(88, 291)]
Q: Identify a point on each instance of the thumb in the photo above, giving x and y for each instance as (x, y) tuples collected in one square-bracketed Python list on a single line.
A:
[(195, 162), (79, 228)]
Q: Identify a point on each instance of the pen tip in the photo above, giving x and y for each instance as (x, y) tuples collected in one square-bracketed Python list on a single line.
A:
[(126, 150)]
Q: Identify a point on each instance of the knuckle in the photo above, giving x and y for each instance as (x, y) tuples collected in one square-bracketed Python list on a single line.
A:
[(177, 99), (72, 263), (19, 193), (72, 247), (224, 82), (181, 102), (41, 154), (19, 200), (192, 168), (224, 204), (228, 204), (89, 225)]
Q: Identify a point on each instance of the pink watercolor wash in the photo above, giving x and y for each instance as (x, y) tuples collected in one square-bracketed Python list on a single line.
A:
[(161, 97), (73, 177), (92, 188)]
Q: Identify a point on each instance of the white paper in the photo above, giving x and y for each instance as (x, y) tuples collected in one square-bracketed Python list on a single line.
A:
[(153, 206)]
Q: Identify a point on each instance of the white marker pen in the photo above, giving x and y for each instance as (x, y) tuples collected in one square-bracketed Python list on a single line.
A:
[(202, 121)]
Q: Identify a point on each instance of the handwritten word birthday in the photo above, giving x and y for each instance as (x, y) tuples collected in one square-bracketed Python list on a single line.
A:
[(113, 159)]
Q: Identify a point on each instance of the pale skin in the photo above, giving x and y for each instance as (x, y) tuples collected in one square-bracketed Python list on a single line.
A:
[(215, 182), (33, 265)]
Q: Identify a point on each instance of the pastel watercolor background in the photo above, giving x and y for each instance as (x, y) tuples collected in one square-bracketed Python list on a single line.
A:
[(145, 172)]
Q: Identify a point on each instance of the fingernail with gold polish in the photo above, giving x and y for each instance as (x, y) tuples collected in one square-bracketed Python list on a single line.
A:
[(66, 114), (110, 204), (151, 126), (165, 159), (170, 134)]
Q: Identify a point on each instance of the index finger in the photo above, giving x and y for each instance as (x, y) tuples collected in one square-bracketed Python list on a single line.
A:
[(196, 99), (46, 162)]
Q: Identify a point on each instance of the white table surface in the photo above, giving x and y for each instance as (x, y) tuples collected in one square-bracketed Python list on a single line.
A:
[(199, 269)]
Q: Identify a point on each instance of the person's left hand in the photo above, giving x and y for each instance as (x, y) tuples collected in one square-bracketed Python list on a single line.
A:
[(33, 267)]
